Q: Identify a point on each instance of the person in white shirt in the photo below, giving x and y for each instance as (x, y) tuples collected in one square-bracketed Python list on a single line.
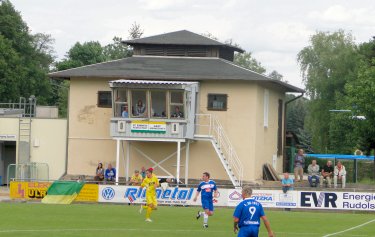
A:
[(339, 174)]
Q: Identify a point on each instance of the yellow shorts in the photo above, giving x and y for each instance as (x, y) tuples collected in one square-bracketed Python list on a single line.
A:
[(151, 199)]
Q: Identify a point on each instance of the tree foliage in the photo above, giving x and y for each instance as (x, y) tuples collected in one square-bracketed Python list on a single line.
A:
[(296, 113), (135, 31), (327, 64), (246, 60), (24, 59)]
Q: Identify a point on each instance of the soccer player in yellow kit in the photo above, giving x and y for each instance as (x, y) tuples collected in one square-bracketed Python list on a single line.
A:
[(151, 182)]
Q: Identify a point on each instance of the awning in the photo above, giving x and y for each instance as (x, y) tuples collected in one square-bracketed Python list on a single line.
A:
[(124, 82)]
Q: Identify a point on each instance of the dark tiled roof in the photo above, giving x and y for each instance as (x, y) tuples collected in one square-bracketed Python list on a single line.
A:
[(182, 37), (170, 68)]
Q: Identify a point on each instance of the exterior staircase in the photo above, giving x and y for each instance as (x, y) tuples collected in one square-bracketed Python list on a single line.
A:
[(208, 128)]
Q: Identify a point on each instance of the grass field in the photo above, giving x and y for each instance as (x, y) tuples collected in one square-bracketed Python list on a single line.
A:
[(27, 219)]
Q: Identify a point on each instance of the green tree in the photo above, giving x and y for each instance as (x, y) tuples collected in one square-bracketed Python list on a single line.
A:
[(327, 64), (28, 73), (276, 76), (246, 60), (81, 55), (361, 95), (117, 50), (296, 113)]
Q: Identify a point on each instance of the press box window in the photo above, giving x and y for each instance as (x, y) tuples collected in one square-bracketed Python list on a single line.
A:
[(217, 102), (104, 99)]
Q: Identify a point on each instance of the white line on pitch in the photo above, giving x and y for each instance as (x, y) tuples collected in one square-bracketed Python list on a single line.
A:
[(103, 229), (352, 228)]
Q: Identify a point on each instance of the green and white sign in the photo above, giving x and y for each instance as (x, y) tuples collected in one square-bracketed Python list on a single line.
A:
[(148, 127)]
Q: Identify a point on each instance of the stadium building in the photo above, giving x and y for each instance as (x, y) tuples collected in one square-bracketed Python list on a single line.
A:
[(180, 105)]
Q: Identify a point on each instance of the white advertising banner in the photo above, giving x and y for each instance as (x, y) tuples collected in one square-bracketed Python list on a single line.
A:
[(268, 198), (337, 200), (231, 197), (170, 196)]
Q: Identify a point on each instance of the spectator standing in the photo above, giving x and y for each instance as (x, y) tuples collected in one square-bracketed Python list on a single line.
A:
[(287, 183), (299, 164), (339, 175), (313, 171), (326, 174)]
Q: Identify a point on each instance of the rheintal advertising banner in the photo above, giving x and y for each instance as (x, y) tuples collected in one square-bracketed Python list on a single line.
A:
[(169, 196)]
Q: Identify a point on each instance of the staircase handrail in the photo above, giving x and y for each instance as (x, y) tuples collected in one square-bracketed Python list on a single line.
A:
[(217, 133)]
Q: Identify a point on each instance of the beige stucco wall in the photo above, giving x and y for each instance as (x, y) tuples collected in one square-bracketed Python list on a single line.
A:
[(9, 126), (90, 142), (48, 142)]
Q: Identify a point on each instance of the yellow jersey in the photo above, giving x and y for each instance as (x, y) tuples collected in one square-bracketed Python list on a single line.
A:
[(137, 179), (149, 183)]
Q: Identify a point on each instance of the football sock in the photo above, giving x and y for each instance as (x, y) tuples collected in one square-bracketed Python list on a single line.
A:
[(205, 218), (201, 213), (148, 213)]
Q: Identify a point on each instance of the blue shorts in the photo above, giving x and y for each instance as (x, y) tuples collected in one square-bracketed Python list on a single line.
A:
[(248, 232), (207, 204)]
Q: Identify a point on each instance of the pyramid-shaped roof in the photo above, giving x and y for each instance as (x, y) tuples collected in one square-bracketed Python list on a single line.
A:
[(182, 37)]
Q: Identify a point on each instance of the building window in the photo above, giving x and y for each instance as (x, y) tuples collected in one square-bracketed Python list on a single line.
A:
[(217, 102), (139, 103), (177, 104), (104, 99), (158, 104), (121, 103)]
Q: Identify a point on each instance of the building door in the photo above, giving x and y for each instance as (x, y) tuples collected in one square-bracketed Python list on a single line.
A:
[(7, 157)]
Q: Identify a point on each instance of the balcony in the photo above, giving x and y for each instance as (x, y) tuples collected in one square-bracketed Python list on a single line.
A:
[(153, 110)]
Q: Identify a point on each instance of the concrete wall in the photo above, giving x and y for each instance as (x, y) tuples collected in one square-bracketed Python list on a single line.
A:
[(90, 142)]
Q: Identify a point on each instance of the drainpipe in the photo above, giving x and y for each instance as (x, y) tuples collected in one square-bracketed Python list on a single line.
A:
[(284, 137), (67, 131)]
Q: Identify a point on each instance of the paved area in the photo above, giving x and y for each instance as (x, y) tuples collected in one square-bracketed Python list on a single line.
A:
[(4, 193)]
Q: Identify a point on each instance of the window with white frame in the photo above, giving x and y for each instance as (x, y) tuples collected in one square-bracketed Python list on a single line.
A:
[(139, 103), (121, 103), (158, 104), (177, 104)]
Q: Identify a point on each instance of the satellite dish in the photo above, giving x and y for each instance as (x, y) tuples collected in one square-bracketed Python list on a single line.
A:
[(358, 152)]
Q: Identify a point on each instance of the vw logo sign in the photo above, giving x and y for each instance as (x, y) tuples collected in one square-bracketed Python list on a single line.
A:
[(108, 193)]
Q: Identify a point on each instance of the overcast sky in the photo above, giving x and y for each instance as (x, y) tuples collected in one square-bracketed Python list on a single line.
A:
[(273, 30)]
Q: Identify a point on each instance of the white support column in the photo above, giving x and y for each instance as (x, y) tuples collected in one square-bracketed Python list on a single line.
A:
[(178, 162), (127, 160), (187, 162), (117, 160)]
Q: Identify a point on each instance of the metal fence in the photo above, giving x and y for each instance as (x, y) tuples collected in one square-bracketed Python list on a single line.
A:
[(28, 172)]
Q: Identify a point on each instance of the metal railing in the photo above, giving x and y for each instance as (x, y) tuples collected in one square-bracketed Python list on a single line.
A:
[(208, 126), (28, 172)]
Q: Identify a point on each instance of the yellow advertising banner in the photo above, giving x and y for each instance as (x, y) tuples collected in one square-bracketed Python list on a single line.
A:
[(89, 193), (38, 190), (28, 190)]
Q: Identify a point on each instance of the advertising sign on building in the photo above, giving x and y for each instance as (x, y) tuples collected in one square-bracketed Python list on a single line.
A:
[(148, 127)]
